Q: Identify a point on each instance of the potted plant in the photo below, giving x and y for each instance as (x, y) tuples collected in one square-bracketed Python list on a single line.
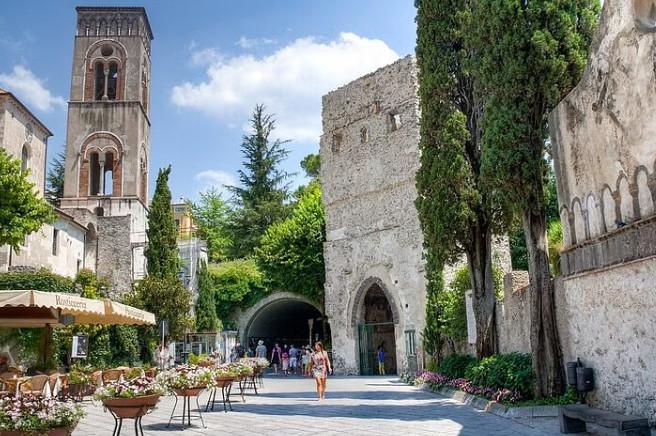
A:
[(31, 415), (130, 398), (80, 381), (187, 380)]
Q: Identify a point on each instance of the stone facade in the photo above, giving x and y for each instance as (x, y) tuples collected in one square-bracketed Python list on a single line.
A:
[(605, 160), (108, 136), (60, 246), (369, 157)]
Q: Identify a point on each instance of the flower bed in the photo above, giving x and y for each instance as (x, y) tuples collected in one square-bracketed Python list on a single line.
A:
[(36, 416), (186, 377), (436, 381), (129, 388)]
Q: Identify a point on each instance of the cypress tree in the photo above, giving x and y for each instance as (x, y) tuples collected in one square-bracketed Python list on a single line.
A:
[(161, 253), (532, 53), (206, 319), (455, 209)]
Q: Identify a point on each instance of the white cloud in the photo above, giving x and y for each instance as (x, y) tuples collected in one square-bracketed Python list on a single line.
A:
[(205, 56), (247, 43), (29, 88), (290, 82), (216, 179)]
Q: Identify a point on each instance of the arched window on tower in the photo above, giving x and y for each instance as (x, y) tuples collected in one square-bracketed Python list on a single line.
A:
[(112, 81), (25, 159), (109, 174), (100, 81), (94, 174)]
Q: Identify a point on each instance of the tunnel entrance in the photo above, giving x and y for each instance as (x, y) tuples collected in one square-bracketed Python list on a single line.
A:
[(285, 321)]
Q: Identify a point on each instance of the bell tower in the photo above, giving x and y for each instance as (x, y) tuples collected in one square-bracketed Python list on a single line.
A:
[(108, 130)]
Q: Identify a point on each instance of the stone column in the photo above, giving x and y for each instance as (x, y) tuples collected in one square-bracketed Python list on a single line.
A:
[(101, 173), (106, 72)]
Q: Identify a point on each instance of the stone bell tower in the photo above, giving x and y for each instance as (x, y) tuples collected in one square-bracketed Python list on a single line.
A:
[(107, 141)]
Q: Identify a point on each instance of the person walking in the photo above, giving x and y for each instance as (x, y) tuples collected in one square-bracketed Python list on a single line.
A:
[(276, 357), (380, 357), (261, 349), (305, 359), (293, 356), (320, 367)]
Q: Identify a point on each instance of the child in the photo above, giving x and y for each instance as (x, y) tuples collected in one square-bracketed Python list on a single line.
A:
[(285, 363), (306, 361)]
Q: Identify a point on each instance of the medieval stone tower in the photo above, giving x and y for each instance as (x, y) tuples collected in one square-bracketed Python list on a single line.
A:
[(107, 141)]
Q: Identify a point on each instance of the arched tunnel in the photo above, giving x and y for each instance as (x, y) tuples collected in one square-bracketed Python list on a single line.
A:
[(285, 321)]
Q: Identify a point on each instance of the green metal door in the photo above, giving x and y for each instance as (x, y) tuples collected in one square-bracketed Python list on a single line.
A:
[(366, 346)]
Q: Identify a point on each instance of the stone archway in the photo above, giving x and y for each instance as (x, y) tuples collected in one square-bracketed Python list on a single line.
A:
[(374, 316), (281, 317)]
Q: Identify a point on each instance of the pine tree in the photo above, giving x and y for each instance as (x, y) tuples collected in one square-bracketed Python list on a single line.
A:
[(455, 209), (55, 179), (161, 253), (263, 190), (532, 53), (206, 319)]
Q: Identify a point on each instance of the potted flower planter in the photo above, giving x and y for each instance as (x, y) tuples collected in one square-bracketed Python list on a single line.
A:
[(131, 407), (57, 431), (189, 392)]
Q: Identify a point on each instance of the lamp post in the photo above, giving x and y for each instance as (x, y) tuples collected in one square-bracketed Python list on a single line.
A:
[(310, 325)]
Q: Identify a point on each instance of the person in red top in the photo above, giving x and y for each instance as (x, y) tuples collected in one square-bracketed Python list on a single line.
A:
[(320, 368)]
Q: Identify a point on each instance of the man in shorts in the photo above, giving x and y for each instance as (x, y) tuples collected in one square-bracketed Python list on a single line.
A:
[(293, 358)]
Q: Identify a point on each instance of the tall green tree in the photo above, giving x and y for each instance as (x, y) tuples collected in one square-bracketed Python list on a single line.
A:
[(532, 53), (291, 251), (311, 164), (206, 319), (263, 187), (55, 179), (22, 210), (455, 208), (238, 284), (162, 256), (211, 215)]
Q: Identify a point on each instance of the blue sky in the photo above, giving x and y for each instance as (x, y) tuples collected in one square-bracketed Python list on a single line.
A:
[(213, 60)]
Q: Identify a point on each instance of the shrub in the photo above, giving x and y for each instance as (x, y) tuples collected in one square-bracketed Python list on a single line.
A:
[(42, 280), (511, 371), (455, 365)]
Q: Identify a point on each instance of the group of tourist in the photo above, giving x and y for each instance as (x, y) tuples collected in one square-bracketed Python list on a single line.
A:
[(302, 361)]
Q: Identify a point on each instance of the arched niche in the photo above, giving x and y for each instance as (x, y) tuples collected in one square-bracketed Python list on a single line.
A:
[(579, 223), (645, 199), (608, 202), (594, 216), (626, 200)]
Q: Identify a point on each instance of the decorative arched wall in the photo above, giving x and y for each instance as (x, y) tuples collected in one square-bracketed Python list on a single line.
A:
[(358, 300), (100, 146), (104, 59)]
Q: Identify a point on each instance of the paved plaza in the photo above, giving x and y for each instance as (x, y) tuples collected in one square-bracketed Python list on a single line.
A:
[(354, 406)]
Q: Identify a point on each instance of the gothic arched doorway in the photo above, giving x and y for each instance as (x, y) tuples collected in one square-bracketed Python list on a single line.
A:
[(376, 328)]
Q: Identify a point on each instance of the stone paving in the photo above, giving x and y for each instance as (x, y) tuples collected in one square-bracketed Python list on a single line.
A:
[(353, 406)]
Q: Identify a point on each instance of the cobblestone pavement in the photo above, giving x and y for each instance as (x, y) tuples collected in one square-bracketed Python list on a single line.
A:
[(353, 406)]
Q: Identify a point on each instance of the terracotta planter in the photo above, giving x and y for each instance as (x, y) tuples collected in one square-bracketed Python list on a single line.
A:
[(189, 392), (222, 382), (131, 407), (59, 431)]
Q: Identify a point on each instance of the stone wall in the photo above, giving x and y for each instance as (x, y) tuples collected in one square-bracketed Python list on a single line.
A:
[(513, 314), (115, 252), (602, 133)]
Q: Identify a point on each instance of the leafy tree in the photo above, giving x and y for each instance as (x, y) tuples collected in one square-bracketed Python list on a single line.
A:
[(22, 210), (311, 164), (531, 54), (291, 252), (455, 208), (211, 215), (206, 319), (168, 299), (431, 336), (263, 190), (161, 253), (238, 284), (55, 179)]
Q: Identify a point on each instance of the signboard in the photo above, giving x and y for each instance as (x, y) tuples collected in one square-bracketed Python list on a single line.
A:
[(80, 347)]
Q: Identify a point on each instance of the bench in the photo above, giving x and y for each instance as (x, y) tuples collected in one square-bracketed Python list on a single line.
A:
[(574, 417)]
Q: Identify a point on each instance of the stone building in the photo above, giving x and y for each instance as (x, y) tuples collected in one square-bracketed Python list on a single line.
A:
[(107, 141), (605, 159), (375, 286), (58, 246)]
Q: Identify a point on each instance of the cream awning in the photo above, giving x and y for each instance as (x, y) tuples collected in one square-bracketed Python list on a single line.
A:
[(117, 313), (37, 309)]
